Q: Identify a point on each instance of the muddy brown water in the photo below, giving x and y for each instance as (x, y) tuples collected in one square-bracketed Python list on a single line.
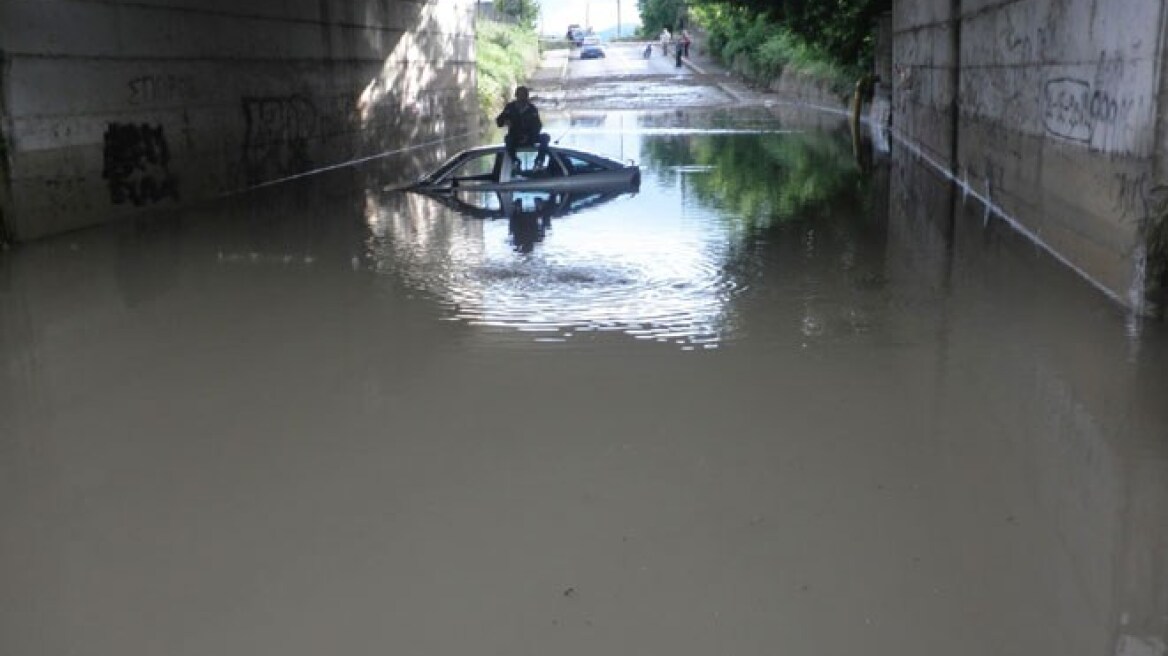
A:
[(781, 400)]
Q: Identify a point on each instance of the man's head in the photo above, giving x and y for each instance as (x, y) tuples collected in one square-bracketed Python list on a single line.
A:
[(521, 94)]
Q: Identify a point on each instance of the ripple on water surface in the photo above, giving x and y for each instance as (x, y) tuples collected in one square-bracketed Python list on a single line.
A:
[(646, 302), (668, 262), (618, 268)]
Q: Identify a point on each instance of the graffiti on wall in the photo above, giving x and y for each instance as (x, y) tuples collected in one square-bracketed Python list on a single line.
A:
[(1132, 195), (1066, 102), (147, 89), (1092, 112), (137, 164), (1080, 111), (65, 192), (278, 132)]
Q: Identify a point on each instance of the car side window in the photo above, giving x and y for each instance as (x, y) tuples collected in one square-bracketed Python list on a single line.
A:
[(526, 159), (580, 165)]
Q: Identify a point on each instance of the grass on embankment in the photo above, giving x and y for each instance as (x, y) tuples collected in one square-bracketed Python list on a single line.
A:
[(506, 55), (762, 50)]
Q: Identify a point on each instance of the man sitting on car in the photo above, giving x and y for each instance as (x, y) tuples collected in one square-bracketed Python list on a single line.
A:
[(523, 127)]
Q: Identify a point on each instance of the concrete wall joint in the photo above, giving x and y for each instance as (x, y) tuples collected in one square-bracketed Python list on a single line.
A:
[(6, 235)]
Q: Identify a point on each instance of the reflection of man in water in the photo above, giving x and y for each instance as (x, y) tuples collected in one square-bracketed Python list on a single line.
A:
[(523, 126), (528, 226)]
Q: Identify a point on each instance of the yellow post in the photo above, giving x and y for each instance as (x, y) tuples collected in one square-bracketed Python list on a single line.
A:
[(857, 105)]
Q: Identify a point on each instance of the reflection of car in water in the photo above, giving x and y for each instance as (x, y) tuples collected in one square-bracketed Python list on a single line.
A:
[(501, 204), (487, 168), (529, 213)]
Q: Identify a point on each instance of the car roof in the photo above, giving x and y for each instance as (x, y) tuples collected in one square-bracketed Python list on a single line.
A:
[(563, 150), (498, 149)]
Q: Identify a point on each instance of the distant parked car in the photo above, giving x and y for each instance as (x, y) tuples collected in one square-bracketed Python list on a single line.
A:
[(576, 35), (591, 49)]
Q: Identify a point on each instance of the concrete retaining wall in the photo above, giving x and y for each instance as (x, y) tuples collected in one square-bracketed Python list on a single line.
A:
[(810, 90), (803, 88), (1049, 110), (112, 107)]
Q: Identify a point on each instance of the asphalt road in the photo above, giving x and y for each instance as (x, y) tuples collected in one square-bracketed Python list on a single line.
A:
[(626, 80), (623, 59)]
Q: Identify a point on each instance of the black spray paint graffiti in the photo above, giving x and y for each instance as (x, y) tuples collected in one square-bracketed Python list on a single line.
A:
[(1132, 195), (1089, 113), (1066, 102), (1073, 110), (137, 164), (279, 129), (161, 89)]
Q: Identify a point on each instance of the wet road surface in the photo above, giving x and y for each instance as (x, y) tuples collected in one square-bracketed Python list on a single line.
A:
[(625, 80), (778, 401)]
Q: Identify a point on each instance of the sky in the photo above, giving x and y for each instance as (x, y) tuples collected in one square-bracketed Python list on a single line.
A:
[(557, 15)]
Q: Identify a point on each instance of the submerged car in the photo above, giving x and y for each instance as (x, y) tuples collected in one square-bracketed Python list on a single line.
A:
[(487, 168)]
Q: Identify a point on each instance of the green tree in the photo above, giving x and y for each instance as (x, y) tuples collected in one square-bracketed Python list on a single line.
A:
[(525, 12), (505, 55), (840, 29), (656, 14)]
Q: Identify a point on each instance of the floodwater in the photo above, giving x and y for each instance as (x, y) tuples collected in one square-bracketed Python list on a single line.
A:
[(783, 399)]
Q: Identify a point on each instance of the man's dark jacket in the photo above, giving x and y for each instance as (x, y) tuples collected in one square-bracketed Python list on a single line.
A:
[(522, 121)]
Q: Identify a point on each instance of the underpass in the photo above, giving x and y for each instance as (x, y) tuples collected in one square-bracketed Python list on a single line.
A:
[(798, 393)]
